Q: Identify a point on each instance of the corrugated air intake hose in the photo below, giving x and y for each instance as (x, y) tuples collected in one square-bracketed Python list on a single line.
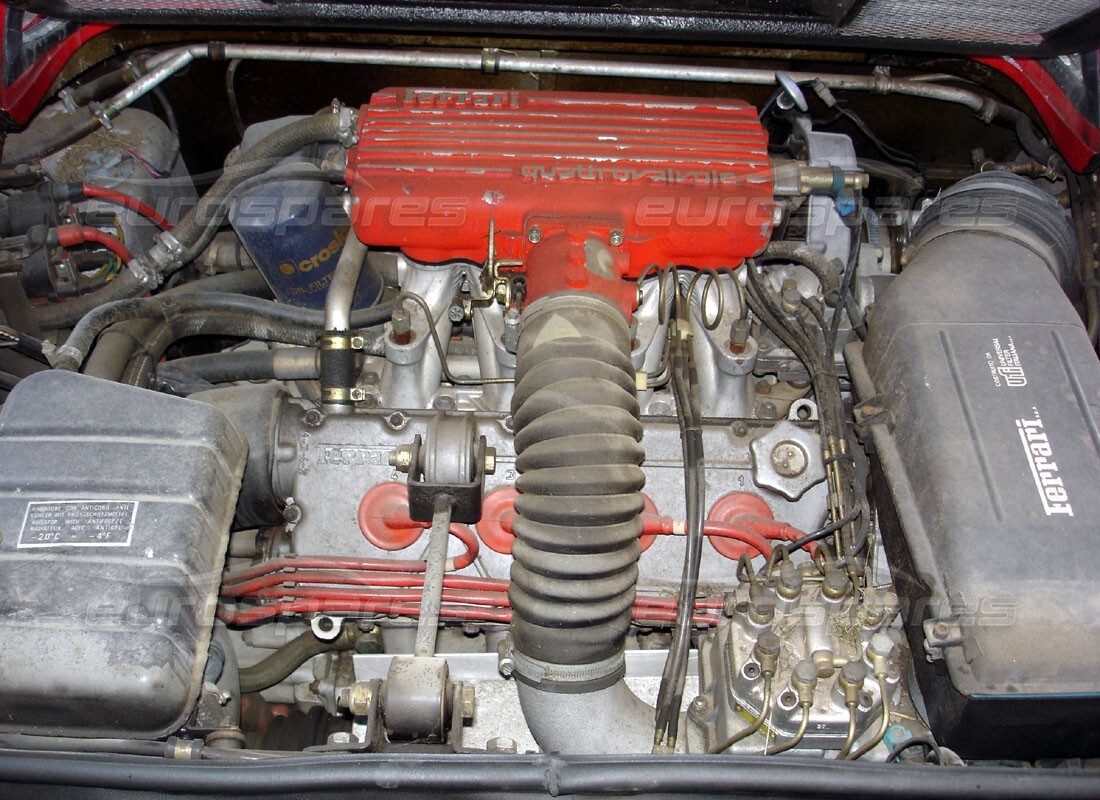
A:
[(576, 551)]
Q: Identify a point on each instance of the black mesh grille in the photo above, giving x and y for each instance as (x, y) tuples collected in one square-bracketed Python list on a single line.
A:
[(995, 22), (989, 26)]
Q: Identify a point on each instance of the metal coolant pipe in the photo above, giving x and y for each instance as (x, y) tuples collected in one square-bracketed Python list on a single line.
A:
[(492, 61), (337, 359)]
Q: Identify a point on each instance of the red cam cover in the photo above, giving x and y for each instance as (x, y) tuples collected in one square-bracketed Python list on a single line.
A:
[(683, 181)]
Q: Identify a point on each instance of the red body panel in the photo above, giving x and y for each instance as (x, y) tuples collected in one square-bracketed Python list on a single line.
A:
[(21, 98), (1077, 138), (678, 180)]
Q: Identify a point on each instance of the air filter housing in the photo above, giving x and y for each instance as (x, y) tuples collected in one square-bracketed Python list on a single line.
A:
[(115, 506)]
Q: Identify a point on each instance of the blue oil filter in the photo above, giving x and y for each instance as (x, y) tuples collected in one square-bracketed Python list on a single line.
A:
[(295, 230)]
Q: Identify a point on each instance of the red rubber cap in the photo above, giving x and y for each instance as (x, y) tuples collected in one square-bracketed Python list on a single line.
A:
[(727, 509), (498, 510), (384, 517)]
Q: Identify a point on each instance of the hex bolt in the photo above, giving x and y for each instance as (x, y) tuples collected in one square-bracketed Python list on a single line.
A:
[(510, 337), (804, 681), (456, 313), (616, 238), (534, 236), (502, 744), (340, 737), (851, 680), (490, 460), (881, 645), (789, 459), (292, 513), (879, 650), (401, 457), (360, 698), (836, 584), (790, 581), (401, 325), (739, 336), (468, 703), (762, 604), (766, 652)]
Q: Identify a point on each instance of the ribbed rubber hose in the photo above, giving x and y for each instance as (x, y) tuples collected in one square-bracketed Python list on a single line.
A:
[(578, 454)]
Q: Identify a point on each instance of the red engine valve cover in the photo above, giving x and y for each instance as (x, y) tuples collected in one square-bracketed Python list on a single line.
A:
[(662, 180)]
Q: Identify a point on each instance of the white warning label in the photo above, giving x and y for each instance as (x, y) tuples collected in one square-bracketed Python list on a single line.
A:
[(78, 523), (1004, 364)]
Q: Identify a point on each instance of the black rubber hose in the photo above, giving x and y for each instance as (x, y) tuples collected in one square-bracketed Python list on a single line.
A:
[(690, 418), (980, 202), (229, 324), (63, 315), (29, 346), (1030, 142), (63, 744), (201, 222), (18, 364), (280, 664), (578, 454), (59, 138), (8, 381), (260, 157), (139, 370), (234, 365), (389, 775), (169, 306), (802, 254), (98, 88), (115, 346), (229, 680)]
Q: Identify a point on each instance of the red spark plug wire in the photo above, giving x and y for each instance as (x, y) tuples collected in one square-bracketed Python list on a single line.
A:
[(91, 190), (739, 523), (72, 235)]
